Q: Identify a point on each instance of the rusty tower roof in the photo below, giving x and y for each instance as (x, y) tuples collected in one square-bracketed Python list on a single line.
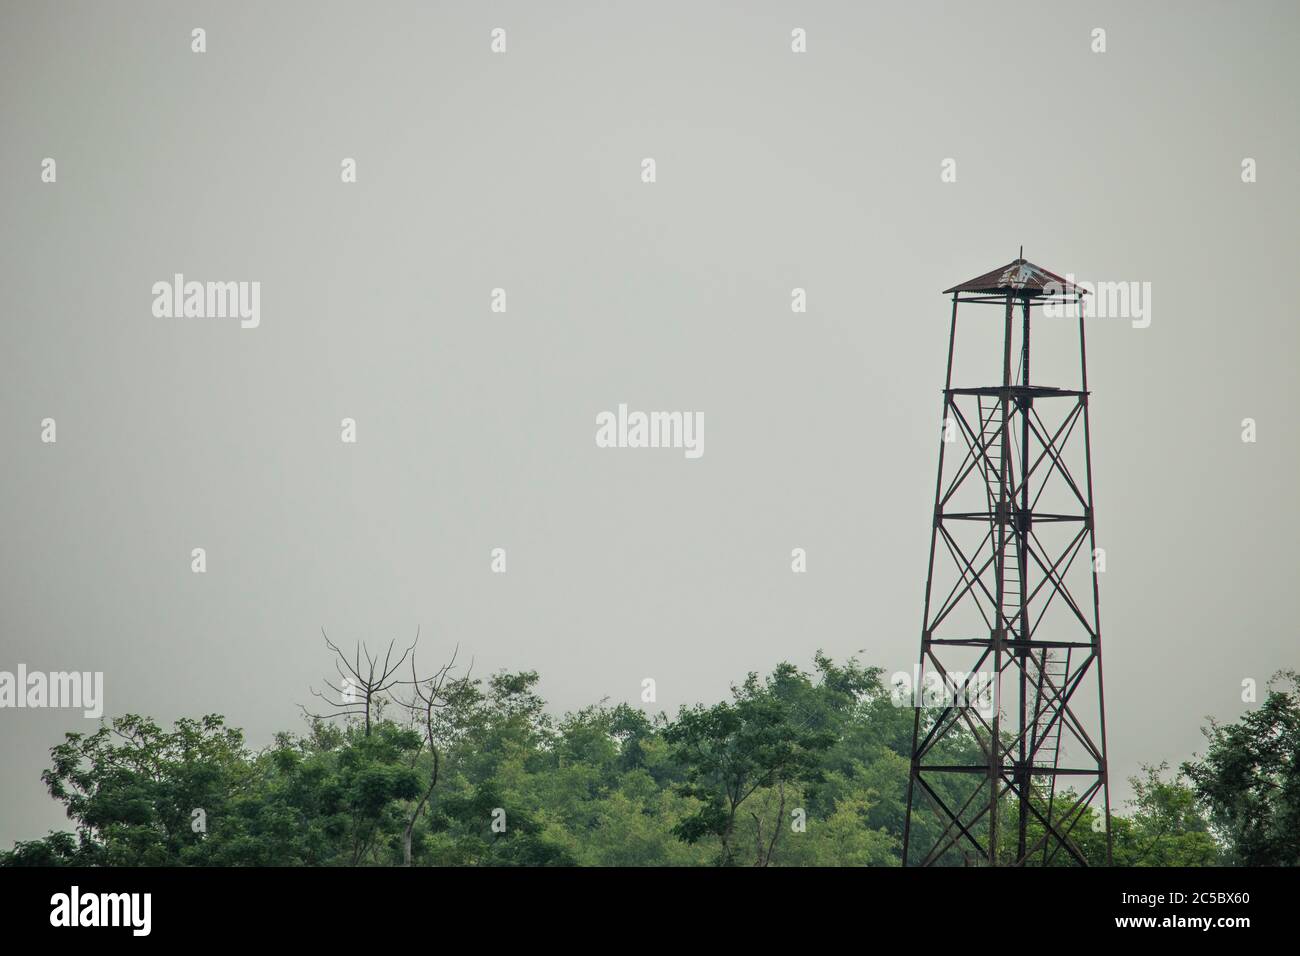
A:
[(1020, 277)]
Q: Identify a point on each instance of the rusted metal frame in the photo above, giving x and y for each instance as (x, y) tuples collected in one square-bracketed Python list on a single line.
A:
[(935, 734), (967, 468), (1058, 580), (1057, 700), (1060, 585), (977, 577), (968, 464), (1056, 756), (982, 641), (1055, 453), (1040, 662), (953, 820), (994, 768), (1064, 571), (1022, 560), (968, 768), (1071, 550), (994, 474), (949, 602), (963, 713), (976, 457), (1073, 817), (1013, 482), (989, 467), (929, 576), (942, 726), (1070, 846), (1060, 701), (1018, 487), (978, 451), (1096, 593), (1017, 391), (940, 848), (1053, 448), (950, 683), (1063, 836), (1000, 518), (1056, 446), (955, 550), (1068, 719), (1036, 301)]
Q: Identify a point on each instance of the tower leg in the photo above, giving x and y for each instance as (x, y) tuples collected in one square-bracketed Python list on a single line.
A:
[(914, 769)]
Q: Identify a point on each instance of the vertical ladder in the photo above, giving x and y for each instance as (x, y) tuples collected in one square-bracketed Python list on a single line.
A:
[(1053, 669), (1053, 665), (1000, 513)]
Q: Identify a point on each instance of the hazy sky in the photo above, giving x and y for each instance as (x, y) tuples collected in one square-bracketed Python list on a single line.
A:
[(475, 429)]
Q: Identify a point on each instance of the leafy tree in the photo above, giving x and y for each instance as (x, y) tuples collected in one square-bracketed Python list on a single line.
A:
[(843, 835), (56, 849), (1249, 778), (767, 736), (132, 789), (1167, 826)]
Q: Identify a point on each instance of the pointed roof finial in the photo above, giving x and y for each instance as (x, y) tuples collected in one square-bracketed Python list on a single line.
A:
[(1022, 252)]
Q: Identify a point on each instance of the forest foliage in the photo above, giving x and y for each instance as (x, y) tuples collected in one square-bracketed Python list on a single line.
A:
[(796, 768)]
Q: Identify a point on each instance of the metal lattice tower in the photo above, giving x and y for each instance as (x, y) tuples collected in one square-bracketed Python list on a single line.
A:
[(1009, 753)]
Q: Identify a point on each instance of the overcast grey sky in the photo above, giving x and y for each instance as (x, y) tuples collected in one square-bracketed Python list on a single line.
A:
[(475, 429)]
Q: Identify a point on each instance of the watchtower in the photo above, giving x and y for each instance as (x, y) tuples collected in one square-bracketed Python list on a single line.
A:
[(1011, 630)]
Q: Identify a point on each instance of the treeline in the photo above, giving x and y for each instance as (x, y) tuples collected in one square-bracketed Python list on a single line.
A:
[(795, 769)]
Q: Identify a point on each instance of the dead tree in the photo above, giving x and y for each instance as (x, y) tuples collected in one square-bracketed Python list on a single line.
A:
[(362, 684), (426, 700)]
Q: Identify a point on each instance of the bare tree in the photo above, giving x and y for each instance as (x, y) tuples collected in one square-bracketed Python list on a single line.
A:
[(426, 699), (362, 684)]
